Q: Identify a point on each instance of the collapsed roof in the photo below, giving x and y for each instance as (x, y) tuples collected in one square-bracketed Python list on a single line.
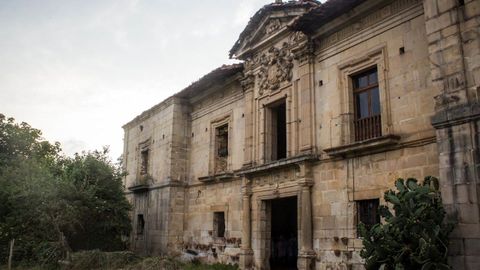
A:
[(318, 16)]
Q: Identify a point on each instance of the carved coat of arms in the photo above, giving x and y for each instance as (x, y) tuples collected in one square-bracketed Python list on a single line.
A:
[(276, 67)]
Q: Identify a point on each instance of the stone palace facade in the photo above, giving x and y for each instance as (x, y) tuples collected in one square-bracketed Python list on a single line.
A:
[(276, 160)]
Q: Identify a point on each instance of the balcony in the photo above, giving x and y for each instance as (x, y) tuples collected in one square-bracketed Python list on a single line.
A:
[(368, 128)]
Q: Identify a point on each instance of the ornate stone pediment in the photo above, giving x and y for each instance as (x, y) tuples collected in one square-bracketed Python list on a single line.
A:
[(270, 21)]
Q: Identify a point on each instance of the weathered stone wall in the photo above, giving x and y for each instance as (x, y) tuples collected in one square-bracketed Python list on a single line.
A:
[(454, 47), (406, 91), (392, 38), (202, 202), (163, 131), (158, 129), (153, 206), (339, 184), (225, 105)]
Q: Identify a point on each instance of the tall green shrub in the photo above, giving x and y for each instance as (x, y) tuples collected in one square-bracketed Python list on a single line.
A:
[(415, 235)]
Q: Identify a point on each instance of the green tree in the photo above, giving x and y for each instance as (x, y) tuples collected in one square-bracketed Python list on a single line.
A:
[(51, 204), (415, 235), (103, 209)]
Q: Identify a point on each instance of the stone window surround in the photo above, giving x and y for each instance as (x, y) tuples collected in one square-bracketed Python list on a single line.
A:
[(224, 208), (214, 124), (283, 94), (375, 57), (360, 195), (359, 204), (143, 147)]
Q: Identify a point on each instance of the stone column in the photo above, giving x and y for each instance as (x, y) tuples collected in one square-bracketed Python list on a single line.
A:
[(246, 255), (453, 42), (306, 253)]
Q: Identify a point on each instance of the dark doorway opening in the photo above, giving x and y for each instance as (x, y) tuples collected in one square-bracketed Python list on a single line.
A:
[(284, 234), (279, 131)]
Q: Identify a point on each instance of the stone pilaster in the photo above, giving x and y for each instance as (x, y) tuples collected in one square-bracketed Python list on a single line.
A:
[(306, 254), (304, 54), (246, 256), (449, 25), (248, 83)]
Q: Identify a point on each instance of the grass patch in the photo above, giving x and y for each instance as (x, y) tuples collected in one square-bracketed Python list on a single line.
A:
[(98, 260)]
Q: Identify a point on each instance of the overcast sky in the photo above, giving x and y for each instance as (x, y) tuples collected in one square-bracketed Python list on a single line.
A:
[(78, 70)]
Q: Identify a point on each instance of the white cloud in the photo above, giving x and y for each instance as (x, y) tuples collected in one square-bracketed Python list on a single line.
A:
[(79, 70)]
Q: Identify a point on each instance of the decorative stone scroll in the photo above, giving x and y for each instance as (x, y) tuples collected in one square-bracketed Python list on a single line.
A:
[(275, 68), (305, 52)]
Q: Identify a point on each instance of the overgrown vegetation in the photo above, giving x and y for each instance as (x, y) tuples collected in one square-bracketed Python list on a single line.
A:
[(99, 260), (415, 235), (51, 204), (129, 261)]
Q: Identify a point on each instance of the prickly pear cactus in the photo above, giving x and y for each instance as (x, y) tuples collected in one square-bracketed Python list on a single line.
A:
[(415, 235)]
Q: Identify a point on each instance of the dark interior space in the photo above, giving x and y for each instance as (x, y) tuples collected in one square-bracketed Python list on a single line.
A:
[(219, 224), (279, 132), (284, 234)]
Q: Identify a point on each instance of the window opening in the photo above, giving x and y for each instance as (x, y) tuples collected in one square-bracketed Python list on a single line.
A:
[(144, 163), (367, 212), (368, 123), (221, 148), (219, 224), (279, 131), (140, 224)]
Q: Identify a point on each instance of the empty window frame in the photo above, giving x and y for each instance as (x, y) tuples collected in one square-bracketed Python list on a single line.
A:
[(219, 224), (367, 212), (221, 137), (367, 122), (221, 148), (278, 131), (144, 156), (140, 224)]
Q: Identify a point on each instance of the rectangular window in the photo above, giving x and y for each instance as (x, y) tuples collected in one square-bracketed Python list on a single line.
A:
[(221, 134), (219, 224), (221, 148), (140, 224), (367, 212), (368, 123), (144, 162), (279, 131)]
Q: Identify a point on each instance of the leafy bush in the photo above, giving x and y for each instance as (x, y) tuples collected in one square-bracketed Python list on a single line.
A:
[(415, 235)]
